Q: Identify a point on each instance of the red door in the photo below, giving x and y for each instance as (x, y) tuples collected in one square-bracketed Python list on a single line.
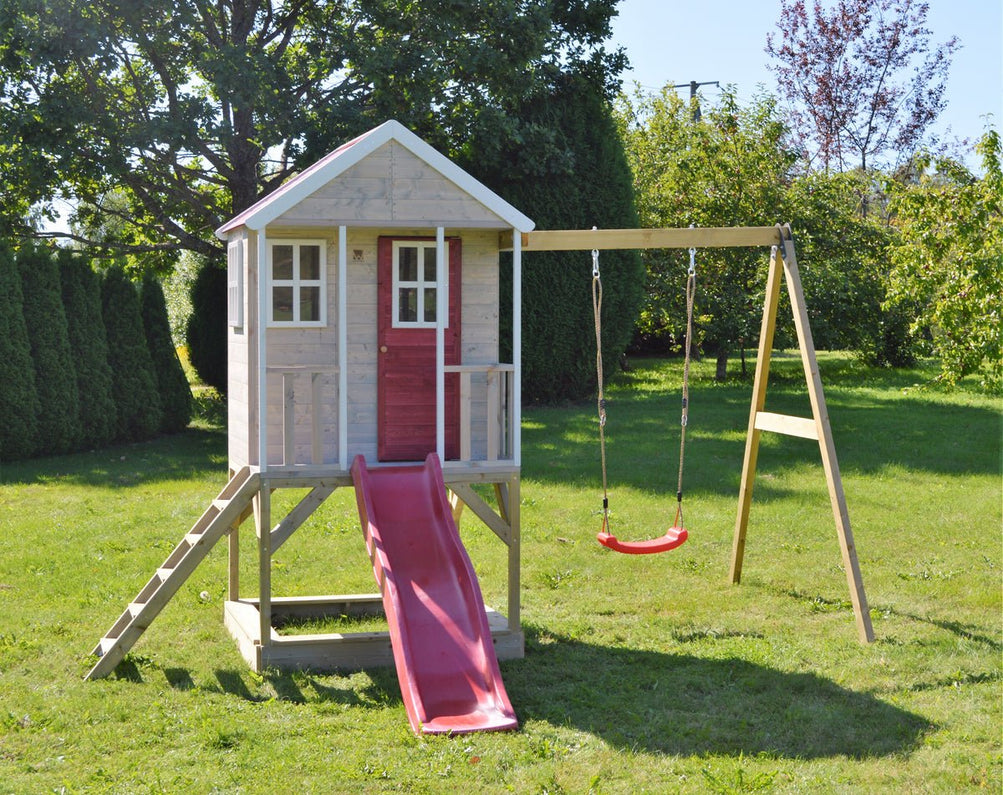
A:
[(406, 340)]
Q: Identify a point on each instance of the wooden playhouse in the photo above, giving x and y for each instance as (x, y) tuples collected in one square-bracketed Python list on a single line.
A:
[(363, 309)]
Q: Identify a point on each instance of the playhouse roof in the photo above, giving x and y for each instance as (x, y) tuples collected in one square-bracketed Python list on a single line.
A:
[(311, 179)]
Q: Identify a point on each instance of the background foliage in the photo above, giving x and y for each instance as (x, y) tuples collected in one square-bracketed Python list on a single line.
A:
[(948, 263)]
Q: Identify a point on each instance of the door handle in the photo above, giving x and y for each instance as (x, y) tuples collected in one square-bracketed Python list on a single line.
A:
[(383, 348)]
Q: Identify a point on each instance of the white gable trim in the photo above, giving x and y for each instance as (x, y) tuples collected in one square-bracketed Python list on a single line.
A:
[(328, 168)]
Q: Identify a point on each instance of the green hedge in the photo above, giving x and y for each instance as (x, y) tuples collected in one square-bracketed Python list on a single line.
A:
[(89, 345), (134, 384), (206, 329), (584, 182), (19, 406), (48, 334), (175, 394)]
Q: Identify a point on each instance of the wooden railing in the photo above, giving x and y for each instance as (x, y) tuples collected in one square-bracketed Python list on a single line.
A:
[(302, 387), (499, 401), (315, 375)]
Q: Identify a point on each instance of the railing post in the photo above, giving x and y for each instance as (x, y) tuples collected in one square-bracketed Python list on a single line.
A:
[(288, 419), (493, 417), (465, 451), (316, 426)]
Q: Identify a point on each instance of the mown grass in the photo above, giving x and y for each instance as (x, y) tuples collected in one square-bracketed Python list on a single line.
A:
[(641, 674)]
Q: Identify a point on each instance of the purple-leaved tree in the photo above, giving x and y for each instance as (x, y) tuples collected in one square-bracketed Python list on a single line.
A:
[(862, 77)]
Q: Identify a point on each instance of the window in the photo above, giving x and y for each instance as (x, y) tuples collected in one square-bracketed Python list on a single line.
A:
[(414, 285), (298, 279), (235, 283)]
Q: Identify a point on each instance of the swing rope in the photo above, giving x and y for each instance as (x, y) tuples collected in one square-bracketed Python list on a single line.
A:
[(676, 534), (601, 399), (691, 289)]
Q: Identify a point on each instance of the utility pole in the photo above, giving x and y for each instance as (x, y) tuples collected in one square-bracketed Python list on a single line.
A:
[(694, 85)]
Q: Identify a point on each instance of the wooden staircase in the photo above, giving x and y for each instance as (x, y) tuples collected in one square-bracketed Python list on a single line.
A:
[(226, 509)]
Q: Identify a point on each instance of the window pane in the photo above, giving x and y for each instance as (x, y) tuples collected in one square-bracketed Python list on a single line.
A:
[(407, 307), (310, 262), (309, 303), (282, 262), (282, 303), (430, 305), (407, 263), (429, 264)]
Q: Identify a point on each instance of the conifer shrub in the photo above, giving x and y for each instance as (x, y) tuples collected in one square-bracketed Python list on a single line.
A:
[(205, 331), (19, 406), (175, 394), (48, 335), (81, 290), (585, 182), (134, 384)]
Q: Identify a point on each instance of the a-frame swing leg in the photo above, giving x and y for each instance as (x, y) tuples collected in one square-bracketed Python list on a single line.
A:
[(817, 428)]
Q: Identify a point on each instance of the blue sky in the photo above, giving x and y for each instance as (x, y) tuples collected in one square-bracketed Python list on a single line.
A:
[(724, 40)]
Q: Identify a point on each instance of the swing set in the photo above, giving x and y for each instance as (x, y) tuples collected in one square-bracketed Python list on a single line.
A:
[(783, 262)]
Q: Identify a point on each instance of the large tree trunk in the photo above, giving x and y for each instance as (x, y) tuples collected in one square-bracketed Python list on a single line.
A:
[(721, 373)]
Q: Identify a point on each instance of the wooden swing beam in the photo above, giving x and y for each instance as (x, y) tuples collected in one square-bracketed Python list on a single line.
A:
[(602, 239), (783, 266)]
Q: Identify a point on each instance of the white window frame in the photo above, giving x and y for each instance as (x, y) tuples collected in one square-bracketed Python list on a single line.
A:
[(297, 283), (421, 285)]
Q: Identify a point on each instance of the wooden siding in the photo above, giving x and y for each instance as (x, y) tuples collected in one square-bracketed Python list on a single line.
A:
[(390, 187)]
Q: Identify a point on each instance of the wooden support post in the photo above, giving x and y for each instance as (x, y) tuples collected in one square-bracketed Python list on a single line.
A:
[(514, 546), (760, 380), (233, 563), (262, 526), (817, 428), (826, 446)]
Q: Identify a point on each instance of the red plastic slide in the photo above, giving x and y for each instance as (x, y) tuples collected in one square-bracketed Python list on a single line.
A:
[(443, 651)]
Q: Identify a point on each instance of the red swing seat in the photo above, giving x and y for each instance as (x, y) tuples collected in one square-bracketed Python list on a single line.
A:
[(674, 537)]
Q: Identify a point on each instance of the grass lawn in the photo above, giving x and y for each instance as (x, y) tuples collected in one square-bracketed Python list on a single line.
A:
[(642, 674)]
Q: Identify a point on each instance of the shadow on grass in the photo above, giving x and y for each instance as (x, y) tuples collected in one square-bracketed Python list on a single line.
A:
[(178, 456), (639, 700), (686, 705), (872, 432)]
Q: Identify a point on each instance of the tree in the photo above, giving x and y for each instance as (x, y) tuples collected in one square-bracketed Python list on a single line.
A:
[(583, 182), (949, 261), (727, 168), (48, 333), (843, 258), (133, 379), (172, 385), (171, 116), (19, 404), (863, 80), (81, 292), (205, 331)]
